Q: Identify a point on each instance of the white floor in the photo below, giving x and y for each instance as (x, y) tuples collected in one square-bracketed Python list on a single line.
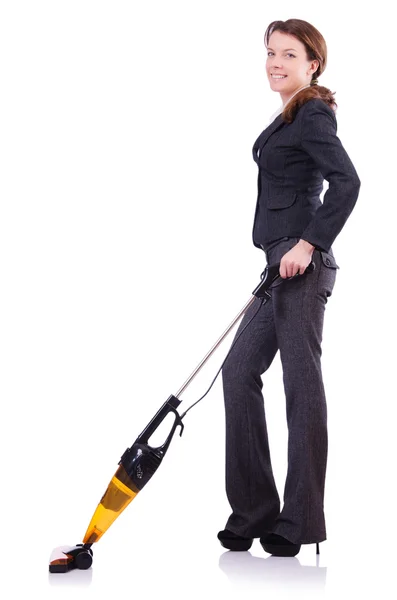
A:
[(164, 544), (174, 567)]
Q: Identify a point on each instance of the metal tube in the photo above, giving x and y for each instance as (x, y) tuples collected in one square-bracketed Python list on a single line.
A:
[(206, 357)]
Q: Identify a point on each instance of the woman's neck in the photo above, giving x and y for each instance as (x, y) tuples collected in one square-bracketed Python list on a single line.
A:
[(298, 90)]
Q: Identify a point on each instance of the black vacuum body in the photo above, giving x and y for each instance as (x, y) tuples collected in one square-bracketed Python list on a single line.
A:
[(137, 465)]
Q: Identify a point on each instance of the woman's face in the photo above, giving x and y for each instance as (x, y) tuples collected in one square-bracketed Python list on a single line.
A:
[(286, 55)]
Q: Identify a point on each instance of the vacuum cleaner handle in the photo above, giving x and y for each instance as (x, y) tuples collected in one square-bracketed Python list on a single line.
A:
[(170, 405), (270, 274)]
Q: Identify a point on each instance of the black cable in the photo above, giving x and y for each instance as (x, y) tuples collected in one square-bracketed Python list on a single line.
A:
[(220, 368), (264, 300)]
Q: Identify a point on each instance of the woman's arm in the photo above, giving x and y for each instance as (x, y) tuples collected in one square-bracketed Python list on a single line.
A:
[(319, 140)]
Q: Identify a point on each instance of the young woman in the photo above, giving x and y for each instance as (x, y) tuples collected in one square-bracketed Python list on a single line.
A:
[(295, 153)]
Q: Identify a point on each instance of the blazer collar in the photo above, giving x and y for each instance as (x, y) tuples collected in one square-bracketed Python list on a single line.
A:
[(264, 136)]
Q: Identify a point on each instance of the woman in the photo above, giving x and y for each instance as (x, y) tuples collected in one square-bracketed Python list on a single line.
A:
[(294, 154)]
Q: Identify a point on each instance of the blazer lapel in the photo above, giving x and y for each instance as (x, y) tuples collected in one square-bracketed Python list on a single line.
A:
[(264, 136)]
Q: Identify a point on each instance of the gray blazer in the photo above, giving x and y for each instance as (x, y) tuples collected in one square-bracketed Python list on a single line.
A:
[(293, 160)]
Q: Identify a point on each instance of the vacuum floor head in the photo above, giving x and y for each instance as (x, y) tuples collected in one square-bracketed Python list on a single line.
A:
[(66, 558)]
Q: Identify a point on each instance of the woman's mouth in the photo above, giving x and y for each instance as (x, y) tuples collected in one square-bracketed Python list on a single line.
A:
[(278, 77)]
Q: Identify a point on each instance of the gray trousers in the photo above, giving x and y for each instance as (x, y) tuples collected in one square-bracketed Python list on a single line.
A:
[(292, 322)]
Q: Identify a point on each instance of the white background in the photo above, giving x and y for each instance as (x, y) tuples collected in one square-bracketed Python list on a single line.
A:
[(128, 192)]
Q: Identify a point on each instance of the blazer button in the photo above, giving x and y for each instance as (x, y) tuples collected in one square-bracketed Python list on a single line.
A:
[(327, 261)]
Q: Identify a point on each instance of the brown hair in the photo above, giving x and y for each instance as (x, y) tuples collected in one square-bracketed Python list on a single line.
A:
[(316, 49)]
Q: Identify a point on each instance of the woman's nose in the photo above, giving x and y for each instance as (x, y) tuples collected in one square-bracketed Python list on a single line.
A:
[(275, 64)]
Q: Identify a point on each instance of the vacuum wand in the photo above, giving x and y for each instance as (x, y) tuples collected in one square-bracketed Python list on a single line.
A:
[(139, 462), (270, 274)]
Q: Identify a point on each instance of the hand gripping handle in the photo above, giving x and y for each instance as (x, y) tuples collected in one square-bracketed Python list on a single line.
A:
[(270, 274)]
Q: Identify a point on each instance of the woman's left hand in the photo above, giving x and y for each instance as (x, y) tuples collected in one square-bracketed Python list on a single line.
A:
[(296, 260)]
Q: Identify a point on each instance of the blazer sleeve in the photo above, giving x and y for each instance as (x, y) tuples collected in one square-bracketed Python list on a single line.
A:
[(319, 140)]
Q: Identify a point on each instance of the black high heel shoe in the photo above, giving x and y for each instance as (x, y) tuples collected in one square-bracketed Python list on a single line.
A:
[(232, 541), (279, 546)]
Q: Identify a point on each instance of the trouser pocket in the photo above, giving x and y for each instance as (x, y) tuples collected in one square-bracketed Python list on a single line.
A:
[(327, 276)]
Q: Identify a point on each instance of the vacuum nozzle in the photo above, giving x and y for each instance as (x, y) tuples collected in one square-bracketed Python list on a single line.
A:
[(66, 558)]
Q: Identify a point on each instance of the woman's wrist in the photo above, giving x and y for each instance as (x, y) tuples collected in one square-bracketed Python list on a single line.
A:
[(307, 245)]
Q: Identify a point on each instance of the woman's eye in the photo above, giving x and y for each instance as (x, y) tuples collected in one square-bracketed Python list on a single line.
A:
[(288, 53)]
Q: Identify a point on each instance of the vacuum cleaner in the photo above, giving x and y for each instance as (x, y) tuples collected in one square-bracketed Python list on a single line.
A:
[(139, 462)]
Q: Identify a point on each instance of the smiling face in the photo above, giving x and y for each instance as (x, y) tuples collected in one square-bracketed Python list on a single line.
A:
[(286, 55)]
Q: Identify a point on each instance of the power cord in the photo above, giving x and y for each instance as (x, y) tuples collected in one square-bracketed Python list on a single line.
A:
[(264, 300)]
